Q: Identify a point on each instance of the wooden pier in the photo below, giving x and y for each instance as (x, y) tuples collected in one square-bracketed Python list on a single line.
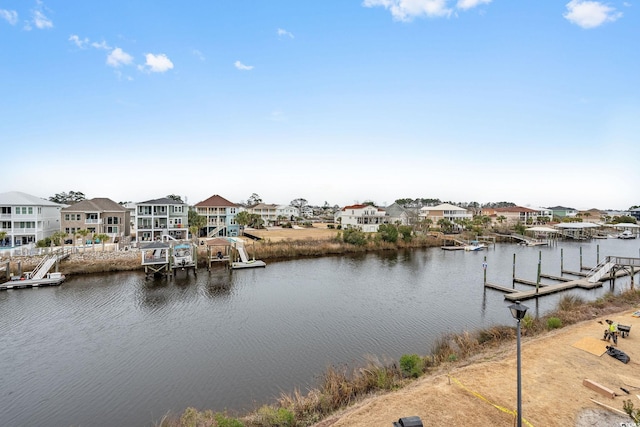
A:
[(608, 270), (543, 289)]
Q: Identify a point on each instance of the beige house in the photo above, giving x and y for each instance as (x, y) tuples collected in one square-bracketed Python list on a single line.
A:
[(98, 216), (444, 211), (514, 214)]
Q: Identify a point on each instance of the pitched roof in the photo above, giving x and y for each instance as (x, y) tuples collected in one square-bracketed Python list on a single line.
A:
[(98, 204), (216, 201), (361, 207), (443, 207), (515, 209), (162, 201), (15, 198)]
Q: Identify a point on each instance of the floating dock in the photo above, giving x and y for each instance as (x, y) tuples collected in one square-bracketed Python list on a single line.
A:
[(52, 279)]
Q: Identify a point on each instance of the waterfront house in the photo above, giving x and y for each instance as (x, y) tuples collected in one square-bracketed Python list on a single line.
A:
[(26, 219), (156, 219), (99, 216), (513, 215), (220, 216), (635, 213), (563, 212), (444, 211), (397, 214), (273, 214), (363, 217)]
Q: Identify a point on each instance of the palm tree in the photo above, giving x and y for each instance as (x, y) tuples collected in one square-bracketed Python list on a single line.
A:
[(103, 239), (3, 235), (83, 233)]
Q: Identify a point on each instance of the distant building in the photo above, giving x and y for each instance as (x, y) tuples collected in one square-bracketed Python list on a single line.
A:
[(363, 217), (562, 212), (635, 213), (396, 214), (158, 218), (98, 216), (220, 215), (444, 211), (26, 219), (513, 215)]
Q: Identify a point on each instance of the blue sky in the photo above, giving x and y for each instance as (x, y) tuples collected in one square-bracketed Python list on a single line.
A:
[(532, 102)]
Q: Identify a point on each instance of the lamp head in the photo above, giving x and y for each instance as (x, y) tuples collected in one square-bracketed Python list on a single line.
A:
[(518, 310)]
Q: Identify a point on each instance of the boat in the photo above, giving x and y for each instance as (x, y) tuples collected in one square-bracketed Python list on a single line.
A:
[(474, 246), (626, 234)]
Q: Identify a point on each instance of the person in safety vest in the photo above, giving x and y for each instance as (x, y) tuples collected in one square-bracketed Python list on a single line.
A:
[(611, 332)]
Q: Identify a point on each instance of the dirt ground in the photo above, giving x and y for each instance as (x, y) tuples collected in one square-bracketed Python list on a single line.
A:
[(319, 231), (482, 392)]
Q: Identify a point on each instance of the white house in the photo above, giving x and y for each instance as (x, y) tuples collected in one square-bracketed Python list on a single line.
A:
[(363, 217), (27, 219)]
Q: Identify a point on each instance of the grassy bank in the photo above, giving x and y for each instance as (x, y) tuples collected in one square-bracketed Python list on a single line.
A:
[(341, 387), (90, 260)]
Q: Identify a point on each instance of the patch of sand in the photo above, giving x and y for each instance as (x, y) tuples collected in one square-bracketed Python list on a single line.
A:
[(482, 392), (319, 231)]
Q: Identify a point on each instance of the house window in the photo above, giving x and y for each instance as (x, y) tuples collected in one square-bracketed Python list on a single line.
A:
[(144, 210), (112, 230), (177, 209), (66, 217), (5, 210)]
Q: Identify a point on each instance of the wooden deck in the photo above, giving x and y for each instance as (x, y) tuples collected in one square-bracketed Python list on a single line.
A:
[(512, 294)]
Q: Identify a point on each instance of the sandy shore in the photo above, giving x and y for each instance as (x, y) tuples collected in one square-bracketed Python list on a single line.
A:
[(482, 391)]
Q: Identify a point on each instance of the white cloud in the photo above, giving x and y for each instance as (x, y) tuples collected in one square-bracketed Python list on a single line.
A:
[(470, 4), (41, 21), (102, 45), (11, 16), (240, 66), (157, 63), (118, 57), (81, 43), (590, 14), (284, 33), (199, 54), (406, 10)]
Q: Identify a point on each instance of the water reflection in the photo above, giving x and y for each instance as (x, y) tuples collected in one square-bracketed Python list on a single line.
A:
[(119, 349)]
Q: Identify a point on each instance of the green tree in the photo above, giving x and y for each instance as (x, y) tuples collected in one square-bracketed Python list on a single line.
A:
[(243, 220), (83, 233), (254, 199), (196, 222), (354, 236), (299, 204), (3, 235), (103, 238), (58, 238), (175, 198), (406, 232), (388, 233), (68, 198)]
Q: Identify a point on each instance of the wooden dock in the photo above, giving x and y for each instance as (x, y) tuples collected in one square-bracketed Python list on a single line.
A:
[(543, 289), (53, 280), (550, 289)]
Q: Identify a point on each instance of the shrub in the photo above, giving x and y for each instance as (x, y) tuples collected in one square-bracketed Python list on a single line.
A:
[(280, 417), (554, 323), (354, 237), (411, 365), (388, 233)]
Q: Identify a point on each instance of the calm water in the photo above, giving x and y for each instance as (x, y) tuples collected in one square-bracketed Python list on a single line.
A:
[(117, 349)]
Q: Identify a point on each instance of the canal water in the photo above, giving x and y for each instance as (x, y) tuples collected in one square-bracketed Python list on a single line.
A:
[(116, 349)]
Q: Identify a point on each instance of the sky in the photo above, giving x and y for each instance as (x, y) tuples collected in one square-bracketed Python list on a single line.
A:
[(336, 101)]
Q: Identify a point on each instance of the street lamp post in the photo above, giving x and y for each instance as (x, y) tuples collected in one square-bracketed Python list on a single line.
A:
[(518, 312)]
